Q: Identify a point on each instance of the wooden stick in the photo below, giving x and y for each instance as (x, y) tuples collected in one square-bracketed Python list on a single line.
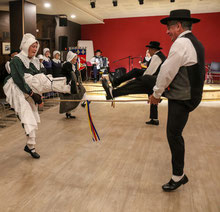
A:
[(102, 100)]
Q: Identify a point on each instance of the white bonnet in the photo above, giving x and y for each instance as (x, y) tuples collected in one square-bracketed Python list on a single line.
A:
[(70, 56), (40, 57), (55, 52), (45, 50), (27, 40)]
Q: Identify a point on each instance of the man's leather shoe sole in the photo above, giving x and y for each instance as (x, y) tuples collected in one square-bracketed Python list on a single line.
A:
[(153, 122)]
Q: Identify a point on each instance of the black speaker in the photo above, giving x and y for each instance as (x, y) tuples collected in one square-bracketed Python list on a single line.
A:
[(63, 43), (62, 21)]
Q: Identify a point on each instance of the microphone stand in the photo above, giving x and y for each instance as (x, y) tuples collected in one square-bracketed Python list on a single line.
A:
[(129, 60), (132, 61)]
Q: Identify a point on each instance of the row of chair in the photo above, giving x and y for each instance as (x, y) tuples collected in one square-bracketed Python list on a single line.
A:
[(213, 72), (8, 116)]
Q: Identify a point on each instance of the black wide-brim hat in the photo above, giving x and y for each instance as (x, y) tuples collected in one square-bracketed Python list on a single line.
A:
[(13, 51), (98, 50), (154, 45), (182, 15)]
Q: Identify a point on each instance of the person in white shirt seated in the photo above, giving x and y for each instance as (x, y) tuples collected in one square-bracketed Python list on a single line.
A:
[(42, 68), (56, 64), (99, 63), (144, 64), (47, 61)]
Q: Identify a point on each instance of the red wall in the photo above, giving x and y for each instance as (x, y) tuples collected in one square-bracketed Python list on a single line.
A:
[(119, 38)]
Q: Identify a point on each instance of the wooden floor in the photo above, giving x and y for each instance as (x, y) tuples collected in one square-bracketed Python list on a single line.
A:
[(122, 173)]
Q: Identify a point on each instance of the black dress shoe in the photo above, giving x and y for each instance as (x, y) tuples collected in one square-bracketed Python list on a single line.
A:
[(153, 122), (172, 185), (33, 153), (107, 89), (69, 116)]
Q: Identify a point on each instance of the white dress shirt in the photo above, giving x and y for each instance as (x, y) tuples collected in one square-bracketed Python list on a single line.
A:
[(96, 60), (154, 64), (182, 53)]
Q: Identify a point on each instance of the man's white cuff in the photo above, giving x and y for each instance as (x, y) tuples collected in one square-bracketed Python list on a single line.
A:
[(156, 95)]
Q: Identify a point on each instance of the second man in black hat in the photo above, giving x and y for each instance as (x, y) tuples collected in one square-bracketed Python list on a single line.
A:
[(157, 59)]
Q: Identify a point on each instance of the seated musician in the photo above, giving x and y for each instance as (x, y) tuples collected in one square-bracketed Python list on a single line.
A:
[(100, 64), (144, 64)]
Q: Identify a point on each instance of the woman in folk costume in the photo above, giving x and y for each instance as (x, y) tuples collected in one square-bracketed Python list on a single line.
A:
[(25, 85), (71, 72), (56, 64), (47, 61), (42, 68)]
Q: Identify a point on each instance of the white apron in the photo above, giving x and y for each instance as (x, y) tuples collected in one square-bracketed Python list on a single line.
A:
[(24, 105), (41, 83)]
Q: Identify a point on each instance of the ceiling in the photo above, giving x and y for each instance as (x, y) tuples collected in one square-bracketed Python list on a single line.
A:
[(126, 8)]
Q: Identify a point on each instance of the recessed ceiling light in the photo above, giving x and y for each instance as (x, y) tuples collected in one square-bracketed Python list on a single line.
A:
[(47, 5), (72, 16)]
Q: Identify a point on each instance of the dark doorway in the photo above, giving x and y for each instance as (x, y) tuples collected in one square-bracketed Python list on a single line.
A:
[(44, 43)]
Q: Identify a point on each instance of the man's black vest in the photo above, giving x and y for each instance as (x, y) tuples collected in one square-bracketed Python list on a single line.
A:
[(189, 81), (162, 57)]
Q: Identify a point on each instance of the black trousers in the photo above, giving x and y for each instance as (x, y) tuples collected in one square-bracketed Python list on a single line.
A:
[(134, 73), (153, 111), (178, 113), (96, 72), (142, 85)]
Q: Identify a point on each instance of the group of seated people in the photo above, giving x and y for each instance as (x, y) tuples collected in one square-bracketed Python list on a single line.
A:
[(47, 65), (54, 66)]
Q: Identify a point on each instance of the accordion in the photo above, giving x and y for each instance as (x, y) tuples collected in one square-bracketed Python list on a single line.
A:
[(104, 64)]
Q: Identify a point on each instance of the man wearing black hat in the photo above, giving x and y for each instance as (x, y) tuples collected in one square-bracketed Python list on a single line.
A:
[(181, 80), (141, 85), (97, 62), (157, 58)]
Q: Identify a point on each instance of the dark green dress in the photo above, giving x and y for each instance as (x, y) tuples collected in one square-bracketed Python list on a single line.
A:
[(17, 73), (75, 76)]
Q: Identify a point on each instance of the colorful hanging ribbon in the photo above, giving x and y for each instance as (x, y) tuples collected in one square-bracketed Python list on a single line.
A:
[(94, 133)]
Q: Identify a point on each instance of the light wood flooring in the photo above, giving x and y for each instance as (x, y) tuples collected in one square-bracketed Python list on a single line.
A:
[(122, 173)]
